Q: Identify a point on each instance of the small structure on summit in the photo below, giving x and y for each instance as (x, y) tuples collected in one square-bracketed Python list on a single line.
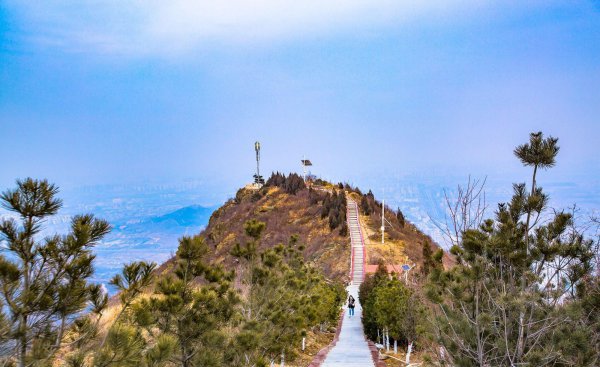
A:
[(259, 181), (305, 163)]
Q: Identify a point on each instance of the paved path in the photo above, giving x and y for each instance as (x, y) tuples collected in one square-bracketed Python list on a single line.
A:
[(352, 349)]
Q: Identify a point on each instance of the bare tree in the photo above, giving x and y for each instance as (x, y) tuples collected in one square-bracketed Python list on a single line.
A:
[(465, 209)]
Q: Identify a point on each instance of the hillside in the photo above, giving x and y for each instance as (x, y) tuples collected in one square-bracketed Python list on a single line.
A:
[(299, 214), (308, 213), (284, 215), (290, 251)]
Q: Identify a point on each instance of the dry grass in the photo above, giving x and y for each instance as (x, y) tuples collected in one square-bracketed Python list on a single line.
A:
[(314, 343), (284, 215), (402, 244), (391, 252), (415, 358)]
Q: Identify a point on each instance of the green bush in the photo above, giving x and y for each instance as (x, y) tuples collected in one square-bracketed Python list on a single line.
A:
[(389, 304)]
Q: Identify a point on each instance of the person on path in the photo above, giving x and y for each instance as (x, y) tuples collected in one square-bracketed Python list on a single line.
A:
[(351, 302)]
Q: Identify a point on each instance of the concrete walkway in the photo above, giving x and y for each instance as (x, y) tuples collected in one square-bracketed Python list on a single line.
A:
[(352, 349)]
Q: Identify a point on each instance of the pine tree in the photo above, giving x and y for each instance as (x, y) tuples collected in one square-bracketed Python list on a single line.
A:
[(326, 206), (132, 281), (192, 316), (334, 208), (389, 304), (285, 297), (334, 218), (123, 344), (397, 309), (428, 262), (515, 280), (365, 205), (344, 229), (45, 283), (313, 196), (538, 153), (400, 217), (276, 179), (290, 184)]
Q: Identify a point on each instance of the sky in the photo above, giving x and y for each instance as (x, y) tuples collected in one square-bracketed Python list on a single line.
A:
[(101, 92)]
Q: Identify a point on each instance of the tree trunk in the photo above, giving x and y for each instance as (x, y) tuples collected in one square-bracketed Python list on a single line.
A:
[(184, 359), (480, 351), (521, 339), (23, 316), (22, 340)]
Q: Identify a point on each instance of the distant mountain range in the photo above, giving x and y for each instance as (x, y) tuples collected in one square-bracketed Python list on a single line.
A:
[(152, 238), (194, 215)]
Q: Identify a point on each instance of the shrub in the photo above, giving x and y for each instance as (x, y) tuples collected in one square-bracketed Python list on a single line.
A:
[(290, 184)]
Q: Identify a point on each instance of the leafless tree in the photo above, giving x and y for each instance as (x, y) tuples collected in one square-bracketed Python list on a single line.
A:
[(464, 209)]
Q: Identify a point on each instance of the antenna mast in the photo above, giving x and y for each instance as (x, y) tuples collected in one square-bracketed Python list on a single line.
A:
[(383, 218), (257, 149), (258, 180)]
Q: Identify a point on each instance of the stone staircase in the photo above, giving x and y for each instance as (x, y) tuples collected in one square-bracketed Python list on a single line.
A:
[(351, 349), (357, 243)]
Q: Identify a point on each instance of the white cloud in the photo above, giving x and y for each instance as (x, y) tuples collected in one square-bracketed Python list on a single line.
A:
[(166, 27)]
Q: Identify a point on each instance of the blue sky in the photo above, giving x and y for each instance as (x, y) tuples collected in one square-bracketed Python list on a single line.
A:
[(129, 91)]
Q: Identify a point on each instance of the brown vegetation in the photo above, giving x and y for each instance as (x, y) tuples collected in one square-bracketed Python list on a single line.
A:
[(285, 215)]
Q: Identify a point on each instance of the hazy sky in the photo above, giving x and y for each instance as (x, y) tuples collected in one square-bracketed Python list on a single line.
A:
[(118, 91)]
